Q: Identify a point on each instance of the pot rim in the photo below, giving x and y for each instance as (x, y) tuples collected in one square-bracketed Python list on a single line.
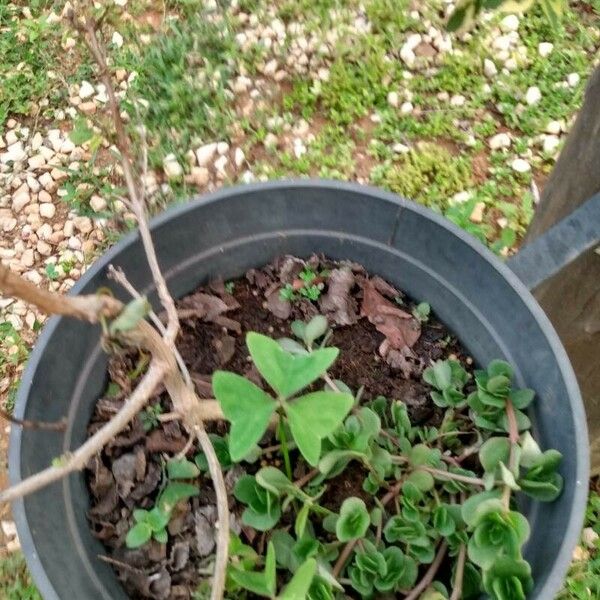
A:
[(576, 517)]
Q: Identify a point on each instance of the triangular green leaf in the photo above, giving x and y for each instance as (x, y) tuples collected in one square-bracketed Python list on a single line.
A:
[(248, 409), (284, 372), (314, 416)]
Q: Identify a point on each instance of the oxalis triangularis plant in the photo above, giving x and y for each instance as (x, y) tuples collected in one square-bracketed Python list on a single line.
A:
[(421, 507)]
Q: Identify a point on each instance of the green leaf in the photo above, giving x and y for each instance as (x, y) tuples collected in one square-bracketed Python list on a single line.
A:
[(541, 481), (297, 588), (221, 448), (273, 480), (81, 133), (157, 519), (161, 536), (140, 515), (246, 406), (301, 520), (174, 493), (508, 478), (443, 521), (470, 506), (315, 328), (138, 535), (299, 329), (530, 451), (457, 18), (284, 372), (182, 469), (263, 510), (271, 569), (354, 520), (130, 316), (494, 451), (439, 375), (508, 579), (500, 367), (313, 417), (292, 346), (422, 480), (522, 398)]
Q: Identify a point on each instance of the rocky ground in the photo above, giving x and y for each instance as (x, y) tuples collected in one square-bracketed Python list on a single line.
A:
[(373, 91)]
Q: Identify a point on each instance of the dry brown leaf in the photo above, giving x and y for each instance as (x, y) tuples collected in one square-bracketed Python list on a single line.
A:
[(400, 328), (337, 303)]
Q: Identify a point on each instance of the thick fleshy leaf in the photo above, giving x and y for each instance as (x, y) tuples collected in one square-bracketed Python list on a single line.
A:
[(246, 406), (315, 328), (521, 399), (315, 416), (508, 579), (161, 536), (273, 480), (157, 519), (284, 372), (354, 520), (130, 316), (423, 480), (494, 451), (470, 506), (298, 587)]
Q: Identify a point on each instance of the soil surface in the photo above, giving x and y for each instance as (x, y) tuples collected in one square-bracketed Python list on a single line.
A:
[(383, 351)]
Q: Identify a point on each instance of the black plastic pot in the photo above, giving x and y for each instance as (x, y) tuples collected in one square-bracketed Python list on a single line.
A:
[(224, 234)]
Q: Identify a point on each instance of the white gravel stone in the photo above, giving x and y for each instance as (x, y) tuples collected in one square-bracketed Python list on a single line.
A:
[(248, 177), (172, 168), (47, 153), (44, 248), (97, 203), (205, 154), (46, 180), (47, 210), (400, 148), (222, 148), (502, 43), (477, 214), (554, 127), (457, 100), (220, 164), (44, 232), (239, 157), (67, 147), (500, 140), (86, 90), (461, 197), (533, 95), (36, 162), (14, 153), (20, 201), (36, 141), (83, 224), (407, 53), (33, 276), (117, 39), (28, 258), (406, 108), (520, 165), (573, 79), (270, 140), (489, 68), (393, 99), (545, 48), (551, 143), (509, 23), (33, 184), (11, 137), (199, 176)]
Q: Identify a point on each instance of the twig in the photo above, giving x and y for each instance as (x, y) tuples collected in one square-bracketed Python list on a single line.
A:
[(186, 448), (117, 274), (89, 33), (430, 574), (308, 477), (88, 308), (439, 474), (28, 424), (460, 572), (222, 554), (78, 459)]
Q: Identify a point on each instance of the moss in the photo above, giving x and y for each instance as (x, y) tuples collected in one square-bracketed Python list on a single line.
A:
[(429, 174)]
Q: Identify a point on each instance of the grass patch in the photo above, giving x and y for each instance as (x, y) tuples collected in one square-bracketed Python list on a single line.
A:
[(428, 174), (27, 49), (182, 79), (15, 582)]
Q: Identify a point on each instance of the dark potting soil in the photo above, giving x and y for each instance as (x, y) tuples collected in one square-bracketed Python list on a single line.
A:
[(383, 351)]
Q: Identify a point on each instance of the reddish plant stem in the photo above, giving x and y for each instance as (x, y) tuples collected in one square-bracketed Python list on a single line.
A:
[(460, 572), (308, 477), (430, 574), (28, 424), (513, 436)]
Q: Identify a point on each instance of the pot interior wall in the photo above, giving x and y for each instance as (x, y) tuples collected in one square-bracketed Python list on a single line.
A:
[(233, 230)]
